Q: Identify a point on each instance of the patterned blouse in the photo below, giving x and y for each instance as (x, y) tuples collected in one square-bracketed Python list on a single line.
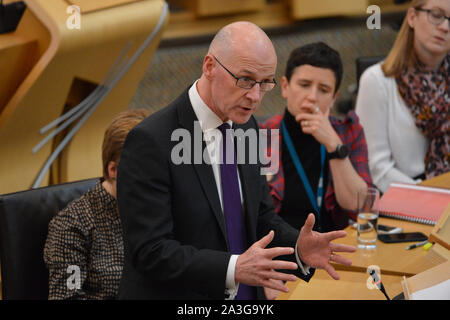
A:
[(85, 236)]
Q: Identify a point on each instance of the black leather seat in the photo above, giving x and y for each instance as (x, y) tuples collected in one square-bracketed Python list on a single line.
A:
[(363, 63), (24, 219)]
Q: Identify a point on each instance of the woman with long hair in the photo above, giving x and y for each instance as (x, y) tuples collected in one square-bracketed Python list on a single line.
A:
[(403, 102)]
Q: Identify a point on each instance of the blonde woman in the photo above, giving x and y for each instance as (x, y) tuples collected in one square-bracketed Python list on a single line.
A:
[(403, 102)]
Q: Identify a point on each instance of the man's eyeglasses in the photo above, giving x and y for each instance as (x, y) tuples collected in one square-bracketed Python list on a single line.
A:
[(247, 83), (436, 16)]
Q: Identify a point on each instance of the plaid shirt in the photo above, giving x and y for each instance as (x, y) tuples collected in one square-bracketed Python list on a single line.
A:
[(351, 134)]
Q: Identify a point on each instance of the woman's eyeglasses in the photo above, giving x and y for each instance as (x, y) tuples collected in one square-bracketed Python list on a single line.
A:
[(436, 16)]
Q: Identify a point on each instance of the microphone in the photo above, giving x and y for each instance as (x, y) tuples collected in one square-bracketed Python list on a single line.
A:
[(377, 282)]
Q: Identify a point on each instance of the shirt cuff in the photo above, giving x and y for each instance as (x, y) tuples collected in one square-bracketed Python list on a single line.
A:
[(303, 267), (231, 287)]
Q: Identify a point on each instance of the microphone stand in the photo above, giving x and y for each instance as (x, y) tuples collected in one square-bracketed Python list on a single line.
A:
[(384, 291), (378, 283)]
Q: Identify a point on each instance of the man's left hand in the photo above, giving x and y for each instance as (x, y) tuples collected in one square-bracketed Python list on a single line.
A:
[(316, 250)]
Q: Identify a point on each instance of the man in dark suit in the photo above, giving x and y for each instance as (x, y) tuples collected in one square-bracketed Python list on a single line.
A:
[(202, 230)]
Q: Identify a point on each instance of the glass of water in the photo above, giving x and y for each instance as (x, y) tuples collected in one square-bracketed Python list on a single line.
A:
[(367, 203)]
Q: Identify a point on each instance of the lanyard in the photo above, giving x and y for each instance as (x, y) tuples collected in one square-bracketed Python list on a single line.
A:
[(316, 201)]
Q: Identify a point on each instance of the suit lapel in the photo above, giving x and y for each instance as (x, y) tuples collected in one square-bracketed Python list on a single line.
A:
[(189, 121)]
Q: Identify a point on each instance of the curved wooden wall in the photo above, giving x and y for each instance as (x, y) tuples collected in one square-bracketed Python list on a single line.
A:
[(45, 66)]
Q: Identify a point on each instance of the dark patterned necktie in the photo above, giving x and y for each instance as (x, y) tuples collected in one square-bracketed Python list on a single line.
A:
[(232, 206)]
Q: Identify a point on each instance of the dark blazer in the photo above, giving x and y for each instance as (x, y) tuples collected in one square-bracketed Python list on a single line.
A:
[(174, 229)]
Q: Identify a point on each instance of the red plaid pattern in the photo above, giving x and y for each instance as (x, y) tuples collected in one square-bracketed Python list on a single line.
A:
[(352, 135)]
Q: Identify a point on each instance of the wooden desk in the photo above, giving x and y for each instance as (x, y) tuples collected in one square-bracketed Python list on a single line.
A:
[(351, 286), (392, 258), (441, 181)]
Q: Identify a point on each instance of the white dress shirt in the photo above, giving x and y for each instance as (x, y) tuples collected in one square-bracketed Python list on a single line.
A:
[(396, 147), (209, 122)]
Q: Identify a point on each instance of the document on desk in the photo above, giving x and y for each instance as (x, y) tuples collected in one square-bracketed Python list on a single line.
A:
[(440, 291)]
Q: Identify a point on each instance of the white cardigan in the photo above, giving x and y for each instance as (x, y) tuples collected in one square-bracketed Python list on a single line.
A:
[(396, 147)]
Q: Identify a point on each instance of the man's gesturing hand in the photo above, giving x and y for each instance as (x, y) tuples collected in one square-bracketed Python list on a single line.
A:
[(255, 266), (316, 250)]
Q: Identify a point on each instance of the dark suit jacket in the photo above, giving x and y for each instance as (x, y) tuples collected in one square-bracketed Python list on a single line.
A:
[(174, 229)]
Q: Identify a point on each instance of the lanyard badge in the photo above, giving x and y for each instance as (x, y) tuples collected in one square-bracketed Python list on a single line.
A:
[(316, 200)]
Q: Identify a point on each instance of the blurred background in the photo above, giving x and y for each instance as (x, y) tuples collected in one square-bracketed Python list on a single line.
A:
[(67, 67), (289, 23)]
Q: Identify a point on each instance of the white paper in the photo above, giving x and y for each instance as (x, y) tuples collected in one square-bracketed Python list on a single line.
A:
[(440, 291)]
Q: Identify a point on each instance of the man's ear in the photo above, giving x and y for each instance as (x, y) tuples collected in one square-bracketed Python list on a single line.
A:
[(112, 170), (208, 66), (284, 86)]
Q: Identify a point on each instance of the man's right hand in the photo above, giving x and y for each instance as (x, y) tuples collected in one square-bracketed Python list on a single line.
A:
[(255, 266)]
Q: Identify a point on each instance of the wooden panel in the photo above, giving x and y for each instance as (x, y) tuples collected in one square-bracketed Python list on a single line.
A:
[(438, 254), (441, 231), (305, 9), (19, 52), (209, 8), (20, 59), (429, 278), (93, 5), (185, 24), (85, 54), (205, 8)]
